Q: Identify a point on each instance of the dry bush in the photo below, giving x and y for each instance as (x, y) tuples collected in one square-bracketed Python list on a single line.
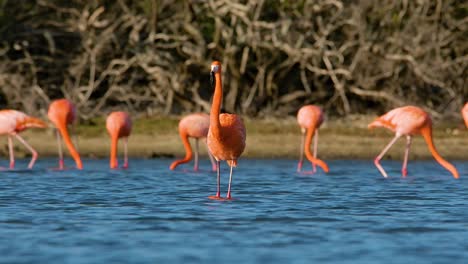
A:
[(153, 56)]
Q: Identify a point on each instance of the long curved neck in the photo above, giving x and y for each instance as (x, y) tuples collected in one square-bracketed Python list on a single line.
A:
[(427, 134), (113, 151), (216, 105), (66, 137), (309, 155), (188, 152)]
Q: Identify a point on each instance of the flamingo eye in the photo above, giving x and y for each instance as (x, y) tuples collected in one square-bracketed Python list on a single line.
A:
[(214, 68)]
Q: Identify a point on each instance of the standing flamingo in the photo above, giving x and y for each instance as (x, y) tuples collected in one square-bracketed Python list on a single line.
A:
[(12, 122), (196, 126), (465, 114), (408, 121), (119, 125), (226, 136), (310, 117), (62, 113)]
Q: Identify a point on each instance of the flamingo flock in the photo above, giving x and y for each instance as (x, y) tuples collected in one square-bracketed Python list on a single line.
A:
[(223, 134)]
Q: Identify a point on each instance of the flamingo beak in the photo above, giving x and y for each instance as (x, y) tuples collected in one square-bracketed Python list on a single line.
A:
[(212, 78)]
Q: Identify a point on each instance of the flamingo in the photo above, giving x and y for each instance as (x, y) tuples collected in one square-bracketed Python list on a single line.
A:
[(196, 126), (310, 117), (12, 122), (62, 113), (226, 135), (408, 121), (119, 125), (465, 114)]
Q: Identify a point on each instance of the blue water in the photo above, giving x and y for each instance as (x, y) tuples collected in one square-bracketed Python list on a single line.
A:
[(148, 214)]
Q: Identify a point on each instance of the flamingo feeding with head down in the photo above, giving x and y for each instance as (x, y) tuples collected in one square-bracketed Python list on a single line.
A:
[(408, 121), (63, 113), (310, 117), (12, 122), (465, 114), (226, 135), (119, 125), (195, 126)]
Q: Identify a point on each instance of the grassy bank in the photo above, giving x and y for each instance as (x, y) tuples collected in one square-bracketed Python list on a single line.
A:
[(267, 138)]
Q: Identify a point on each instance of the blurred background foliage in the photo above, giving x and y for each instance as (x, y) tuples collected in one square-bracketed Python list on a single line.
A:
[(153, 57)]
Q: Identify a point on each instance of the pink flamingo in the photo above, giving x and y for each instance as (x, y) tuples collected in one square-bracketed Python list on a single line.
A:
[(195, 126), (119, 125), (63, 113), (465, 114), (408, 121), (310, 117), (12, 122), (226, 136)]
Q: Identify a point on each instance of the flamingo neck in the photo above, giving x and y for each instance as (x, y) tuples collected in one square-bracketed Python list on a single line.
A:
[(308, 154), (66, 137), (113, 152), (216, 105), (188, 152), (427, 134)]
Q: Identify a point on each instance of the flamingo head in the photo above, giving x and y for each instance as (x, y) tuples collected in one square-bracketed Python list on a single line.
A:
[(215, 68)]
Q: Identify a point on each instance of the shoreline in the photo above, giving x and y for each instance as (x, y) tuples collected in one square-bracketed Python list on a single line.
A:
[(266, 138)]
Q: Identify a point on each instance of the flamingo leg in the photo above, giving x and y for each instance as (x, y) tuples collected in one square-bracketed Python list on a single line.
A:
[(195, 167), (404, 170), (218, 192), (33, 151), (301, 155), (60, 152), (379, 157), (314, 167), (213, 163), (125, 142), (228, 196), (12, 153), (74, 136)]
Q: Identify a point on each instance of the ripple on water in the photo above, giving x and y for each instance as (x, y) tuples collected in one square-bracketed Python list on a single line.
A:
[(148, 214)]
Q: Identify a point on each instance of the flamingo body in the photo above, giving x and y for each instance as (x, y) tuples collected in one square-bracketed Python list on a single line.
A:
[(408, 121), (63, 113), (227, 135), (229, 144), (13, 122), (119, 125), (310, 118), (465, 114), (193, 126)]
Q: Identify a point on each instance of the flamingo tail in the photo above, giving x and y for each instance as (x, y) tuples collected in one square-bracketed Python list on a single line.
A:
[(379, 122), (232, 163), (31, 122), (427, 134)]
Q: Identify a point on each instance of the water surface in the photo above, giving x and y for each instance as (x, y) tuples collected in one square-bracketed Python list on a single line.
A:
[(148, 214)]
